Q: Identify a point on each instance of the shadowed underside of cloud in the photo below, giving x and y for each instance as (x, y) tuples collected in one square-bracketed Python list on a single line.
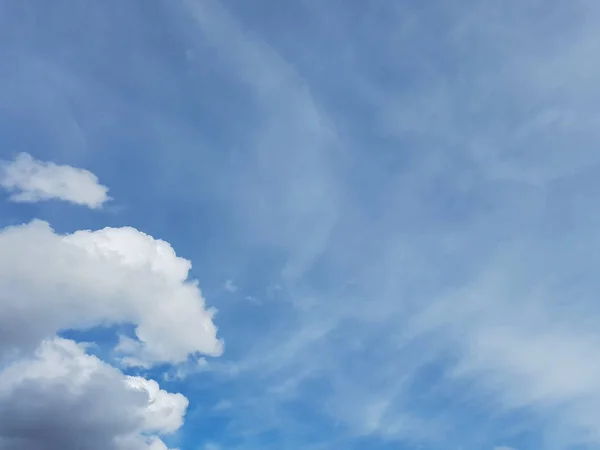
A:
[(30, 181), (62, 398)]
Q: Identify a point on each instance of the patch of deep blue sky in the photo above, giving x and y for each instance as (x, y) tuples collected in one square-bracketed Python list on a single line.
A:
[(342, 162)]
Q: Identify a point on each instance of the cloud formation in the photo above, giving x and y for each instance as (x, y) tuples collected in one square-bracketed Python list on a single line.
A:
[(419, 178), (30, 180), (51, 282), (52, 393), (230, 286), (63, 398), (459, 277)]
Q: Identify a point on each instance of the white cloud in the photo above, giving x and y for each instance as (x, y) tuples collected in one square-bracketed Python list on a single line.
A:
[(59, 396), (230, 286), (30, 180), (406, 262), (51, 282), (223, 405), (62, 397)]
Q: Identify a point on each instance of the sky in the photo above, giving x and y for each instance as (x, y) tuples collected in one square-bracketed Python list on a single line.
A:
[(308, 224)]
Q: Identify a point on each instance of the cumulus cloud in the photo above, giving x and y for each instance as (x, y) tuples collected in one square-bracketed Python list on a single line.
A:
[(55, 395), (51, 282), (63, 398), (30, 180)]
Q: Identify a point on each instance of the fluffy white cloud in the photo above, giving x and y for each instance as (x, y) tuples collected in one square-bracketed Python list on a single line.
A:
[(51, 282), (31, 180), (64, 398), (53, 394)]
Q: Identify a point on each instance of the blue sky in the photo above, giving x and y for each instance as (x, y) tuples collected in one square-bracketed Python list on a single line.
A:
[(389, 208)]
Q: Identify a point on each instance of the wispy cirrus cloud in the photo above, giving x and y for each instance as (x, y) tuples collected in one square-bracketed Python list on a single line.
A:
[(438, 268), (418, 179)]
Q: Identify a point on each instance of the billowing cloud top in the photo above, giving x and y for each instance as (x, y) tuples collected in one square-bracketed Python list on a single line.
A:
[(50, 282), (30, 180)]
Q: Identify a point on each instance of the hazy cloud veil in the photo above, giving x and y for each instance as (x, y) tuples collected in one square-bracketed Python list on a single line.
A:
[(392, 206), (53, 393)]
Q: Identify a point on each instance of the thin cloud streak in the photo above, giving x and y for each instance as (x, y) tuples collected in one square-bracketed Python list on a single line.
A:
[(449, 285)]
